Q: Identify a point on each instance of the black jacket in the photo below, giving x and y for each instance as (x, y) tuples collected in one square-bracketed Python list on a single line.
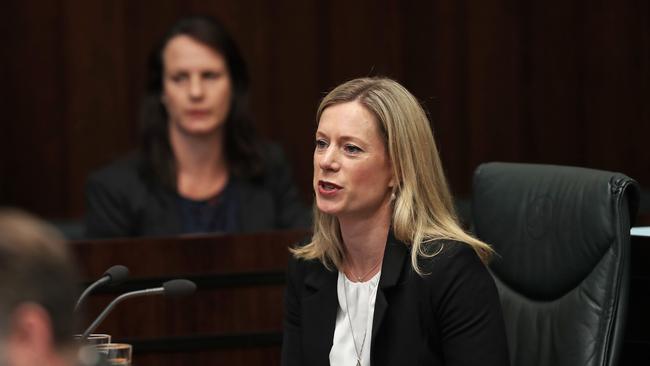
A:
[(451, 316), (123, 200)]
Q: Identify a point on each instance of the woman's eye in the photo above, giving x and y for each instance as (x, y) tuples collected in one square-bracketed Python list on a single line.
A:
[(352, 149), (179, 78), (321, 144), (210, 75)]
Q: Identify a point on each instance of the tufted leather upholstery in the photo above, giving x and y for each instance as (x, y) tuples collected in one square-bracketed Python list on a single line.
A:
[(562, 235)]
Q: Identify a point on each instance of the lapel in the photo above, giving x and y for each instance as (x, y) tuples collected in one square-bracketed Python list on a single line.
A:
[(320, 302), (319, 307), (395, 256)]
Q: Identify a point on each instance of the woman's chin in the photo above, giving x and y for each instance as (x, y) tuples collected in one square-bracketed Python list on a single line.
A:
[(328, 209), (199, 128)]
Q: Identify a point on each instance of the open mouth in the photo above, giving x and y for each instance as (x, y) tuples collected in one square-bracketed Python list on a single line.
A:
[(327, 186)]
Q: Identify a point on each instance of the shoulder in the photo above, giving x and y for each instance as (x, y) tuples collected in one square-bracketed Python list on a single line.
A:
[(455, 273), (451, 259), (126, 166), (125, 174), (451, 250)]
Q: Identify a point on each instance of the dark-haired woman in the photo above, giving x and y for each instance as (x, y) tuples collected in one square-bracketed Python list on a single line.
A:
[(201, 167)]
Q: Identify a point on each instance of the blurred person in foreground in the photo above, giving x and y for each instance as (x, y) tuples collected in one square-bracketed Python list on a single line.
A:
[(201, 167), (388, 277), (37, 293)]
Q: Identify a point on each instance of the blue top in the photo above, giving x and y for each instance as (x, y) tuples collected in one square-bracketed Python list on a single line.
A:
[(217, 214)]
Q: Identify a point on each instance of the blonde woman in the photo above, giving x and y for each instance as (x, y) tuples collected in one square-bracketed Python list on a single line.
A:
[(388, 277)]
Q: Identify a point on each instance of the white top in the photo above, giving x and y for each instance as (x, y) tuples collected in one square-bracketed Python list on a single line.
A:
[(361, 299)]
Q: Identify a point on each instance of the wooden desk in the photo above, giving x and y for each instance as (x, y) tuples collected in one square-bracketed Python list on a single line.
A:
[(234, 318)]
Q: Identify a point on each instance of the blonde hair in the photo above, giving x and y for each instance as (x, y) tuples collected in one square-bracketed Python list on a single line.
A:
[(423, 210)]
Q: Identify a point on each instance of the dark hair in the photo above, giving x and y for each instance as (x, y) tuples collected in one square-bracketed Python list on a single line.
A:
[(36, 266), (241, 142)]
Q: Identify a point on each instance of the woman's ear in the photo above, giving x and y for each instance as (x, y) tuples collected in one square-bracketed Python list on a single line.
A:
[(392, 183), (393, 188)]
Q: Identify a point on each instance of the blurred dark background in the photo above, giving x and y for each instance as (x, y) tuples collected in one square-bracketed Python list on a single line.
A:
[(561, 82)]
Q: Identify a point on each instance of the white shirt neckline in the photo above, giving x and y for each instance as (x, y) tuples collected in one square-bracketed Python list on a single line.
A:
[(361, 298)]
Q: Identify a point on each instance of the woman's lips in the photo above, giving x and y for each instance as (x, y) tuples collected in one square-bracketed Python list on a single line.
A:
[(197, 112), (328, 188)]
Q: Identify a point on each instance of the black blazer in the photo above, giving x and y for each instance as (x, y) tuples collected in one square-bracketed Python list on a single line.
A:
[(124, 200), (451, 316)]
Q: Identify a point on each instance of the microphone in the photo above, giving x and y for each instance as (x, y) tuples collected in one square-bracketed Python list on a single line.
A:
[(173, 288), (113, 276)]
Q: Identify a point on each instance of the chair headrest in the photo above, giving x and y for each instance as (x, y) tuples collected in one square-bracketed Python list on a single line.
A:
[(549, 224)]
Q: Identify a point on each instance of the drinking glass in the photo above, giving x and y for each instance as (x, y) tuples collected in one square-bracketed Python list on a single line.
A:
[(116, 354), (94, 338)]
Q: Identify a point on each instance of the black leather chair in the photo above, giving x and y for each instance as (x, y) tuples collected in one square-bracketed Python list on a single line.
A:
[(562, 235)]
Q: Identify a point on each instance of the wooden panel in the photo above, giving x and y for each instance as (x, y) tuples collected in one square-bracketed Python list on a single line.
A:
[(617, 87), (235, 317), (564, 82), (32, 122), (292, 88), (492, 88), (210, 311), (269, 356), (196, 254), (98, 125), (437, 35)]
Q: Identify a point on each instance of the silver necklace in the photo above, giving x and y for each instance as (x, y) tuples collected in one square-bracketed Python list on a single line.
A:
[(360, 278), (359, 352)]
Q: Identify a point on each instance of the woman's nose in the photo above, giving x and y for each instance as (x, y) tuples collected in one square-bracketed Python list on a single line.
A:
[(196, 88), (329, 160)]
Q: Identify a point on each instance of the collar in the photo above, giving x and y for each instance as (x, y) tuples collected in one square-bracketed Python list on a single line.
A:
[(393, 262), (395, 254)]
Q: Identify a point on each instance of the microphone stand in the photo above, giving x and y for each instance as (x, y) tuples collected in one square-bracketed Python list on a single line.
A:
[(89, 289), (102, 316)]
